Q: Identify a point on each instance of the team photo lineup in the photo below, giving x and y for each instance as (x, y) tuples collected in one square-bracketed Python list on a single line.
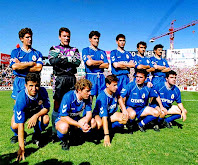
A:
[(99, 105)]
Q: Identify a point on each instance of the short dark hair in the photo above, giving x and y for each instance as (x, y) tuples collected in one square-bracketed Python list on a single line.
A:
[(64, 29), (143, 71), (120, 36), (171, 72), (111, 78), (158, 46), (35, 77), (25, 31), (94, 33), (141, 43), (82, 84)]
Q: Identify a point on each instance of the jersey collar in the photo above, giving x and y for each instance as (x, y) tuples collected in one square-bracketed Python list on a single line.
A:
[(78, 101), (93, 48), (121, 51), (168, 87), (31, 97), (157, 57), (26, 51), (105, 91)]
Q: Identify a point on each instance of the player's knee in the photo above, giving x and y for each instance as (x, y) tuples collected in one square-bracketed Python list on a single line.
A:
[(156, 113), (93, 123), (62, 127), (14, 125), (132, 115), (46, 119)]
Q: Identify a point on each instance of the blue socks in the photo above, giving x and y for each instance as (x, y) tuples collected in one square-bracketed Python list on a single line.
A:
[(15, 131), (146, 120), (173, 117), (160, 120), (116, 124), (40, 127), (61, 136)]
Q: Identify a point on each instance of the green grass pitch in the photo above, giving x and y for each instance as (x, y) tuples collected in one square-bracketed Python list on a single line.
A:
[(169, 146)]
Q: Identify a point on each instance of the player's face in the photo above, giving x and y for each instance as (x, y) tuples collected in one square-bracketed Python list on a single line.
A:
[(64, 38), (85, 93), (121, 42), (32, 88), (171, 79), (27, 40), (141, 49), (140, 78), (158, 52), (94, 41), (113, 86)]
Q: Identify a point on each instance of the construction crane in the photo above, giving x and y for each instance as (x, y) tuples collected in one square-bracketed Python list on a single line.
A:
[(172, 31)]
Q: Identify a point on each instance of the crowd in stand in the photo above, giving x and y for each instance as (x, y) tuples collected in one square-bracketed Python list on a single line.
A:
[(6, 76), (185, 76)]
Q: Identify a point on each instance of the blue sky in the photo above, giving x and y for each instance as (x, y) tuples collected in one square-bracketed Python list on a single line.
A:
[(137, 19)]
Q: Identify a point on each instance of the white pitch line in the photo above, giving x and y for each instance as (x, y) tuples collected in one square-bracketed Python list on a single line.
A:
[(190, 100)]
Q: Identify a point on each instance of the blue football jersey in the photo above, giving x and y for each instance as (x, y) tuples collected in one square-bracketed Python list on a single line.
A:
[(167, 95), (25, 56), (106, 104), (136, 97), (160, 62), (26, 105), (72, 107), (95, 55), (142, 61), (117, 56)]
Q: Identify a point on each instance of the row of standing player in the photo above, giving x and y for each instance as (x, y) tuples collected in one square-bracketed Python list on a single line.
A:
[(65, 59)]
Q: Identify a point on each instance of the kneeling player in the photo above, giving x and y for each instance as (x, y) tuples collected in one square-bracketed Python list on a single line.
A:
[(136, 94), (33, 103), (106, 108), (73, 104), (169, 93)]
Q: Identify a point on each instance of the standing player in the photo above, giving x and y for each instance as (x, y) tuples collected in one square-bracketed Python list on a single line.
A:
[(106, 108), (160, 64), (23, 60), (169, 93), (121, 62), (32, 103), (74, 104), (142, 62), (95, 61), (65, 60), (136, 95)]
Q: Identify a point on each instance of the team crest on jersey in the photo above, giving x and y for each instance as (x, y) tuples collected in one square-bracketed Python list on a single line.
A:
[(172, 96), (102, 57), (147, 61), (33, 58), (143, 95), (40, 102), (127, 56)]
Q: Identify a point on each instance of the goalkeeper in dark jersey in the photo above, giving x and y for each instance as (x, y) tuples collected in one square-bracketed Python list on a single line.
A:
[(65, 60)]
